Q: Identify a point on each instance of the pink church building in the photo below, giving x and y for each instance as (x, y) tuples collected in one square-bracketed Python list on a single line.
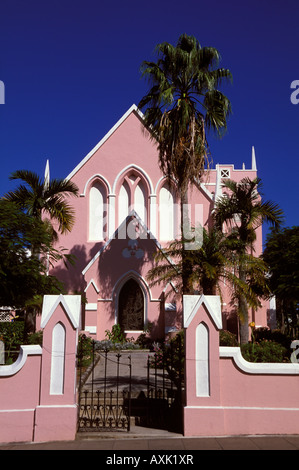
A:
[(126, 212)]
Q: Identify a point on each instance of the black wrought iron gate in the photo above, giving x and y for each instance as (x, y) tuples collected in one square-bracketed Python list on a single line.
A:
[(104, 402), (111, 396)]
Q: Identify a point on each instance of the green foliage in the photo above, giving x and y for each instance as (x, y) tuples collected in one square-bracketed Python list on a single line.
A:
[(37, 198), (108, 345), (35, 338), (226, 338), (22, 274), (171, 356), (12, 334), (282, 256), (183, 102), (116, 335), (243, 211), (85, 351), (144, 340), (264, 351)]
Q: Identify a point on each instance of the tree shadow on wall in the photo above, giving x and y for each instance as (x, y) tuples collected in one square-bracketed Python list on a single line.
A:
[(130, 254), (71, 274)]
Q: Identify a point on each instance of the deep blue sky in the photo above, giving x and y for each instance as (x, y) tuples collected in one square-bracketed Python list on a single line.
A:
[(71, 70)]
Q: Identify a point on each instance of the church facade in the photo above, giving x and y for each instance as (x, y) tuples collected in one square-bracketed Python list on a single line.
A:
[(126, 212)]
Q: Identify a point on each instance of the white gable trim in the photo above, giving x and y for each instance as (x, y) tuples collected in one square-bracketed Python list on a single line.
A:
[(193, 302), (106, 137), (91, 282), (70, 303)]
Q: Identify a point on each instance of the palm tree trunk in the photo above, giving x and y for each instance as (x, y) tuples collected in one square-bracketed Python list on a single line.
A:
[(186, 264), (243, 312), (29, 322)]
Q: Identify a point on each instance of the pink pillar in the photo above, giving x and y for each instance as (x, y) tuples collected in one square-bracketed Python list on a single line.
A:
[(56, 413), (202, 322)]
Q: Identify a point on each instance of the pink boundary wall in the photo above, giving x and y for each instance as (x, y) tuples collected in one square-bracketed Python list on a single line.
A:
[(226, 395), (38, 392)]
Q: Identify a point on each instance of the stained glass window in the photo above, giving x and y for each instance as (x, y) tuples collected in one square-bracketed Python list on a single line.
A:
[(131, 307)]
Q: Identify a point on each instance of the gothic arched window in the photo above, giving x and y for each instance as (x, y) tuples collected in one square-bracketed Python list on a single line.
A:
[(131, 307), (123, 202), (167, 213), (133, 194), (140, 205), (97, 212)]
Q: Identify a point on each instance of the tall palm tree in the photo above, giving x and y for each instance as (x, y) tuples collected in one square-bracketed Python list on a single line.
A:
[(240, 213), (182, 104), (41, 198)]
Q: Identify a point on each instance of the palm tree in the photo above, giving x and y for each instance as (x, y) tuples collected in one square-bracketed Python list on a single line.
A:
[(39, 198), (182, 104), (210, 264), (240, 213)]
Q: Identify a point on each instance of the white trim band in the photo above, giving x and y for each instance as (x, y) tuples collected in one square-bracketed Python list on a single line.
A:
[(272, 368)]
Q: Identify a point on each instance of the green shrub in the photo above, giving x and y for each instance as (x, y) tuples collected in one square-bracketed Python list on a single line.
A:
[(116, 335), (226, 338), (273, 335), (12, 334), (35, 338), (264, 351), (85, 351), (173, 358)]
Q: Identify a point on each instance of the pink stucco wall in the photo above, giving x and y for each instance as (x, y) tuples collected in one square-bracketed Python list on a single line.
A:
[(244, 398), (29, 411), (19, 394)]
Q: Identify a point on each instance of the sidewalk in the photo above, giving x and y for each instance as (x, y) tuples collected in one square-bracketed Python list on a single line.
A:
[(155, 440)]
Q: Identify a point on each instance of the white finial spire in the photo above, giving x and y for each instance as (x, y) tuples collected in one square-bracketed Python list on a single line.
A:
[(253, 159), (47, 175)]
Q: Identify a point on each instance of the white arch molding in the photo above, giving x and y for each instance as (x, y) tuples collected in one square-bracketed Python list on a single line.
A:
[(133, 167), (95, 177), (57, 360), (144, 288), (202, 360)]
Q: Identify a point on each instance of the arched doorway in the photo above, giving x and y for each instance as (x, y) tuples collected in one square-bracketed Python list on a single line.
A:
[(131, 307)]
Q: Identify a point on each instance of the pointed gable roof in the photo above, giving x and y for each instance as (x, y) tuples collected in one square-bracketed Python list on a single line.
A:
[(132, 109)]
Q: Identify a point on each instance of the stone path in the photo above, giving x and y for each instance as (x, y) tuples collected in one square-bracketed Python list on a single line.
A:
[(118, 373)]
